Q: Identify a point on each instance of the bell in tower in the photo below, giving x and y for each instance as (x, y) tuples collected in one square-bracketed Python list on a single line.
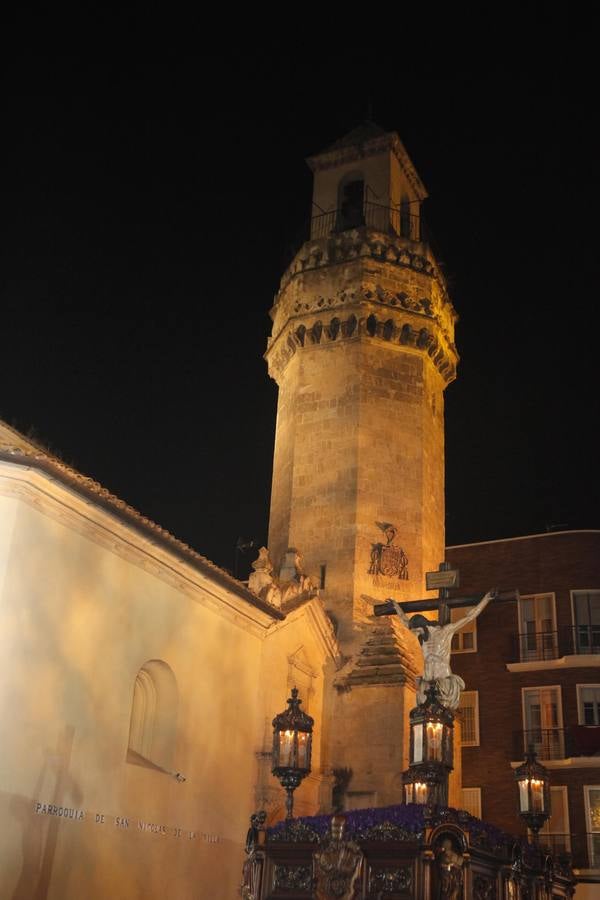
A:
[(362, 348)]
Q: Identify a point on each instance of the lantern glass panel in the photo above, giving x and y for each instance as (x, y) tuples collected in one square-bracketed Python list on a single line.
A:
[(303, 750), (286, 748), (537, 795), (524, 795), (416, 792), (420, 792), (434, 741), (418, 743), (448, 745)]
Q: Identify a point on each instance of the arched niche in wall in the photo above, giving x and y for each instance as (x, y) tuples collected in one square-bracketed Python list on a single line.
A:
[(153, 723)]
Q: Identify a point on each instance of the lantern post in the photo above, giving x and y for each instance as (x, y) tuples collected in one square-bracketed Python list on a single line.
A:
[(292, 745)]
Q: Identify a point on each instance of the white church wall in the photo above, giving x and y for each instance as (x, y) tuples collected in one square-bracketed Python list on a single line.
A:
[(85, 603)]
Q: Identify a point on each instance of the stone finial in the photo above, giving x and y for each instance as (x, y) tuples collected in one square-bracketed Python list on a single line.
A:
[(263, 561), (291, 565), (290, 585), (292, 581), (261, 581)]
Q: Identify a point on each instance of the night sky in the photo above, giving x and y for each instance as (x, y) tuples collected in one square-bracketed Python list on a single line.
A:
[(149, 212)]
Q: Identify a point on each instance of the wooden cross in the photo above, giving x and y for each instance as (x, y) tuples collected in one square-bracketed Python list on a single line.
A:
[(445, 578)]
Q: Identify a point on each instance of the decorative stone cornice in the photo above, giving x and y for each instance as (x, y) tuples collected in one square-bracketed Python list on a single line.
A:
[(362, 268), (373, 292), (364, 243), (395, 327)]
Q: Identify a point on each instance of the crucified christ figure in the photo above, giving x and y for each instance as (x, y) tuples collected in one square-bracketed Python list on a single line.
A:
[(436, 646)]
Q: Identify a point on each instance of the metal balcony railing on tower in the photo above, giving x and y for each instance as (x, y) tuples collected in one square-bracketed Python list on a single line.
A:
[(387, 219)]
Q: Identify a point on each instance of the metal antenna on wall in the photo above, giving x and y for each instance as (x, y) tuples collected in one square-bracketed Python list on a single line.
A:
[(242, 545)]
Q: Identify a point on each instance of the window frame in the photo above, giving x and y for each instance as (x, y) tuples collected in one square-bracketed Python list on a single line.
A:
[(472, 629), (521, 624), (580, 716), (588, 824), (575, 640), (478, 804), (546, 829), (559, 713), (477, 741)]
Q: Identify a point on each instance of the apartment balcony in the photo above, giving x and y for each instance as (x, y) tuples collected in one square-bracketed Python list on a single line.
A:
[(582, 849), (566, 647), (571, 743)]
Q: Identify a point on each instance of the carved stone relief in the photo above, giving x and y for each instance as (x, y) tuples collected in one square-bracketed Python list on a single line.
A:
[(388, 559)]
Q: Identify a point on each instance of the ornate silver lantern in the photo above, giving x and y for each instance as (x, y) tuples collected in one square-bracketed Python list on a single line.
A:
[(292, 745), (431, 752), (533, 782)]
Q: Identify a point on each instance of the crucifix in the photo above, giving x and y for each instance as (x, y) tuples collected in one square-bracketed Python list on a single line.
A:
[(435, 635), (443, 580)]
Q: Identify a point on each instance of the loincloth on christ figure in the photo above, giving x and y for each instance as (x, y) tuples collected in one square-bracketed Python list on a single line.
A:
[(448, 690)]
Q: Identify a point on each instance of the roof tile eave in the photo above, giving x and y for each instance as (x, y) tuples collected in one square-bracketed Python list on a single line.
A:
[(93, 490)]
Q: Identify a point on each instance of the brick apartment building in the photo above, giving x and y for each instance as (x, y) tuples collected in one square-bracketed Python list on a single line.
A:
[(532, 674)]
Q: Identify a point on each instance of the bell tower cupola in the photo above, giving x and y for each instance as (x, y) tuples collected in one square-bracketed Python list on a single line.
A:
[(366, 179)]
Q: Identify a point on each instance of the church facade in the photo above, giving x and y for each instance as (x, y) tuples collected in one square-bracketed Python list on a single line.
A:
[(137, 686)]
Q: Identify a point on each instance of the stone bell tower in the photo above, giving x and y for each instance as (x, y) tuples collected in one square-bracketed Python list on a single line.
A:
[(362, 349)]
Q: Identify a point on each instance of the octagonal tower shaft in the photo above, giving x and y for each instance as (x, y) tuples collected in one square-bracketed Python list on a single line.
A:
[(362, 349)]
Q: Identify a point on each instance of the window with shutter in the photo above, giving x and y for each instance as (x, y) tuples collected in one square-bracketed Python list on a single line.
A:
[(469, 718), (465, 640), (471, 801)]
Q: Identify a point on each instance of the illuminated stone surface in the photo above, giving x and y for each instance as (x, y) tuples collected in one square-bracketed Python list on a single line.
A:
[(362, 349), (90, 594)]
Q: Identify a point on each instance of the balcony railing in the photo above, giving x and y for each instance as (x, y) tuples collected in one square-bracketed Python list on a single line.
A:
[(583, 849), (559, 743), (548, 743), (535, 646), (387, 219)]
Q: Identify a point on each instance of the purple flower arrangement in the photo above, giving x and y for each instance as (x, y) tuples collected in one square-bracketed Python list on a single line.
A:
[(403, 822), (407, 817)]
